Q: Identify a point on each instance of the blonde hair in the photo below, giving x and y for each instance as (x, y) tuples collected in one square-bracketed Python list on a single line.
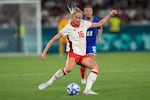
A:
[(74, 10)]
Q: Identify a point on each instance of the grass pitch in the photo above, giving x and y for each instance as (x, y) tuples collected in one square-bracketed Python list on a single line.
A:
[(123, 76)]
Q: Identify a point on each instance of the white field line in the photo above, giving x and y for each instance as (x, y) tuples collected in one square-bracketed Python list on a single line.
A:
[(23, 74)]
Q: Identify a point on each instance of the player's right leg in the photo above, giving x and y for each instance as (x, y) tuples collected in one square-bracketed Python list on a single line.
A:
[(70, 63), (60, 73)]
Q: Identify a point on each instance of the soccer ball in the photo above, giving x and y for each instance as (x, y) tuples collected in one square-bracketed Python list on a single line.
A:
[(73, 89)]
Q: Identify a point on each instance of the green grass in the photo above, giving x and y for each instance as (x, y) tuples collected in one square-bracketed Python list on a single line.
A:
[(123, 76)]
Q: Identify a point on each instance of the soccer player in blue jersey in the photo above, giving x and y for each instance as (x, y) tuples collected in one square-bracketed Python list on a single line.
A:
[(92, 33)]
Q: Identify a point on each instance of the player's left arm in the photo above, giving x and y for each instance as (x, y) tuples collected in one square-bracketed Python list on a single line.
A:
[(104, 20), (100, 31)]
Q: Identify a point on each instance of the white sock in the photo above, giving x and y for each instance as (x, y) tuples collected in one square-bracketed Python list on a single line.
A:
[(60, 73), (91, 79)]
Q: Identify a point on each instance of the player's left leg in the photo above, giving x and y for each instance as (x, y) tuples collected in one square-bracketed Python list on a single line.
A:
[(91, 52), (83, 70), (90, 63)]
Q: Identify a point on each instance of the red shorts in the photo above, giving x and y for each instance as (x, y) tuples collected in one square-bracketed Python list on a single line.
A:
[(78, 58)]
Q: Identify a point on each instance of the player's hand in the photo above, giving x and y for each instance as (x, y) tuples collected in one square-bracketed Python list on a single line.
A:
[(43, 56), (113, 12)]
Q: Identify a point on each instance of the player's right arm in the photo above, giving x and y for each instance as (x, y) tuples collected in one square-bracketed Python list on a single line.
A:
[(49, 44)]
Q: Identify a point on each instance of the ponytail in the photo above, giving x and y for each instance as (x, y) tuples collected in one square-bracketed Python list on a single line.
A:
[(74, 10)]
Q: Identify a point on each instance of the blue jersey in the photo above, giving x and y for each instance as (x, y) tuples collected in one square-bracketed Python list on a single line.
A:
[(91, 37)]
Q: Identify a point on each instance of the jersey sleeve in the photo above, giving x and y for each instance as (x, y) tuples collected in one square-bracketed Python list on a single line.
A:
[(96, 19), (87, 24), (64, 31)]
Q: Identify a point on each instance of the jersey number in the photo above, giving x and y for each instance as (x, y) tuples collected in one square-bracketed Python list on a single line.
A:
[(89, 33), (81, 34)]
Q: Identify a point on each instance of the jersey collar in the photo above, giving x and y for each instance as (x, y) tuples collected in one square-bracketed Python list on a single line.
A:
[(74, 25)]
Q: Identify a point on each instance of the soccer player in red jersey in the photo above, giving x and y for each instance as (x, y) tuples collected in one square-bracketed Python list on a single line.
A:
[(76, 35)]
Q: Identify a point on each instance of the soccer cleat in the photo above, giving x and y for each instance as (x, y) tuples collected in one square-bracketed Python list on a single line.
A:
[(89, 92), (43, 86), (83, 81)]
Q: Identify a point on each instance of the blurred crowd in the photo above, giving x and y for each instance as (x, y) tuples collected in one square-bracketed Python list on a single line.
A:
[(12, 15), (8, 15), (133, 12)]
